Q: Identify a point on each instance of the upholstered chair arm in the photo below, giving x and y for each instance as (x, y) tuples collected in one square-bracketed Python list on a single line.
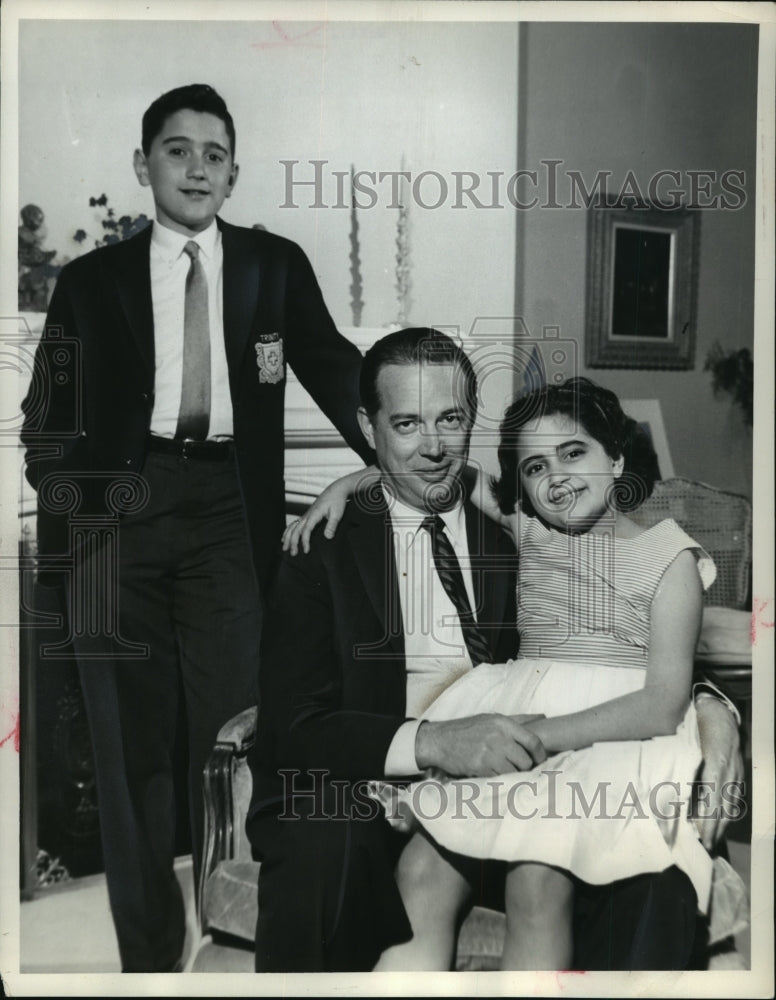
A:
[(239, 732), (225, 767)]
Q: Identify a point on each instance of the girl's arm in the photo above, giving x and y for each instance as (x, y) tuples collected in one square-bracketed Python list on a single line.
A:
[(659, 707), (329, 506)]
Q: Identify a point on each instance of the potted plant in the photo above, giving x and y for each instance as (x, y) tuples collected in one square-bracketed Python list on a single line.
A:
[(733, 372)]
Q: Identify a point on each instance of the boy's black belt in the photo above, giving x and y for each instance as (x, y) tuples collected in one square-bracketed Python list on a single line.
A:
[(212, 451)]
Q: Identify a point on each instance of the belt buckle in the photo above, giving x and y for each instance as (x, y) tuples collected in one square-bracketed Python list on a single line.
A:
[(186, 443)]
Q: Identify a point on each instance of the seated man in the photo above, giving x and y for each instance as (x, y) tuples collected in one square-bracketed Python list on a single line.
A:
[(349, 662)]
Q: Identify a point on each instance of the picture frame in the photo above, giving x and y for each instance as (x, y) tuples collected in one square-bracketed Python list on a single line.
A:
[(642, 282), (649, 415)]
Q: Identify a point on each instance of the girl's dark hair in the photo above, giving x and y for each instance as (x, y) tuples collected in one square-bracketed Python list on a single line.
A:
[(598, 412)]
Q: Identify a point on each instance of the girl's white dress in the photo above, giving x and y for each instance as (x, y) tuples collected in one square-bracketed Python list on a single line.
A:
[(608, 811)]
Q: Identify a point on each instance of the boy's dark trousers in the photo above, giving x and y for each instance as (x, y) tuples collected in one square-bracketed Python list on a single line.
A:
[(187, 592)]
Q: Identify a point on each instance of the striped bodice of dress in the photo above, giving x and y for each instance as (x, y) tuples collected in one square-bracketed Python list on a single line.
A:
[(587, 597)]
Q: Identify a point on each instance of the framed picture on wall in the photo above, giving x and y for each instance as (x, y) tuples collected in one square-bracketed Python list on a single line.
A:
[(642, 276)]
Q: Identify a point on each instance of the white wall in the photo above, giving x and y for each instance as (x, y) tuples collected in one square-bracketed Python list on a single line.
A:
[(441, 96), (445, 97), (648, 97)]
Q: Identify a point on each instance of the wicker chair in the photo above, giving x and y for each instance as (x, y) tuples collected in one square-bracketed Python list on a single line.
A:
[(722, 523), (719, 521)]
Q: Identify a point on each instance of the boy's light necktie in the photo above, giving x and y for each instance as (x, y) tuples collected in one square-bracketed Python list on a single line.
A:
[(194, 414), (449, 571)]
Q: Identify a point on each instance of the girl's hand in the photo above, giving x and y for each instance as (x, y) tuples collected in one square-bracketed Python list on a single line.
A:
[(330, 506)]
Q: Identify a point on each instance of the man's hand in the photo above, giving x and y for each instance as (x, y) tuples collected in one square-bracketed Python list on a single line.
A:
[(479, 745), (722, 768)]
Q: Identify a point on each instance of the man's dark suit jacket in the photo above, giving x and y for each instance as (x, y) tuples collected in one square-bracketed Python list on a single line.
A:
[(333, 675), (333, 692), (92, 392)]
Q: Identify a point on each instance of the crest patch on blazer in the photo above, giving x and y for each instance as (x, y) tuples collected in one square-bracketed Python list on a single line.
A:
[(269, 357)]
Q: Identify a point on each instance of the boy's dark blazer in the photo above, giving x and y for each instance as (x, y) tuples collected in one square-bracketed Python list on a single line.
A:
[(90, 403)]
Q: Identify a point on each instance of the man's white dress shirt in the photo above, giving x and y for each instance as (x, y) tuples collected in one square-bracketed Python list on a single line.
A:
[(435, 650)]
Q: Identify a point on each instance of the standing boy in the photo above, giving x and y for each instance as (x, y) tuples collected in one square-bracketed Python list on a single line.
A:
[(181, 337)]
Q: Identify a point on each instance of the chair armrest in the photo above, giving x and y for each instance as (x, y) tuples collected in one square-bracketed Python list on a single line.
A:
[(233, 742), (239, 732)]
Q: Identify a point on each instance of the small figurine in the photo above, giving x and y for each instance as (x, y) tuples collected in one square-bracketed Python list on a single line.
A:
[(35, 266)]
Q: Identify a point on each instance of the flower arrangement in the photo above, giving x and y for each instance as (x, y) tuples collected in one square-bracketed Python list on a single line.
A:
[(115, 230), (37, 266)]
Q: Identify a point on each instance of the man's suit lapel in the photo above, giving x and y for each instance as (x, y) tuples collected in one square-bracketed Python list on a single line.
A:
[(130, 264), (372, 548), (244, 271)]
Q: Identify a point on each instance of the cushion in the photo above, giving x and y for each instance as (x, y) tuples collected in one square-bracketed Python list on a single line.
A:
[(231, 901), (242, 785), (231, 906), (481, 940), (725, 637)]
